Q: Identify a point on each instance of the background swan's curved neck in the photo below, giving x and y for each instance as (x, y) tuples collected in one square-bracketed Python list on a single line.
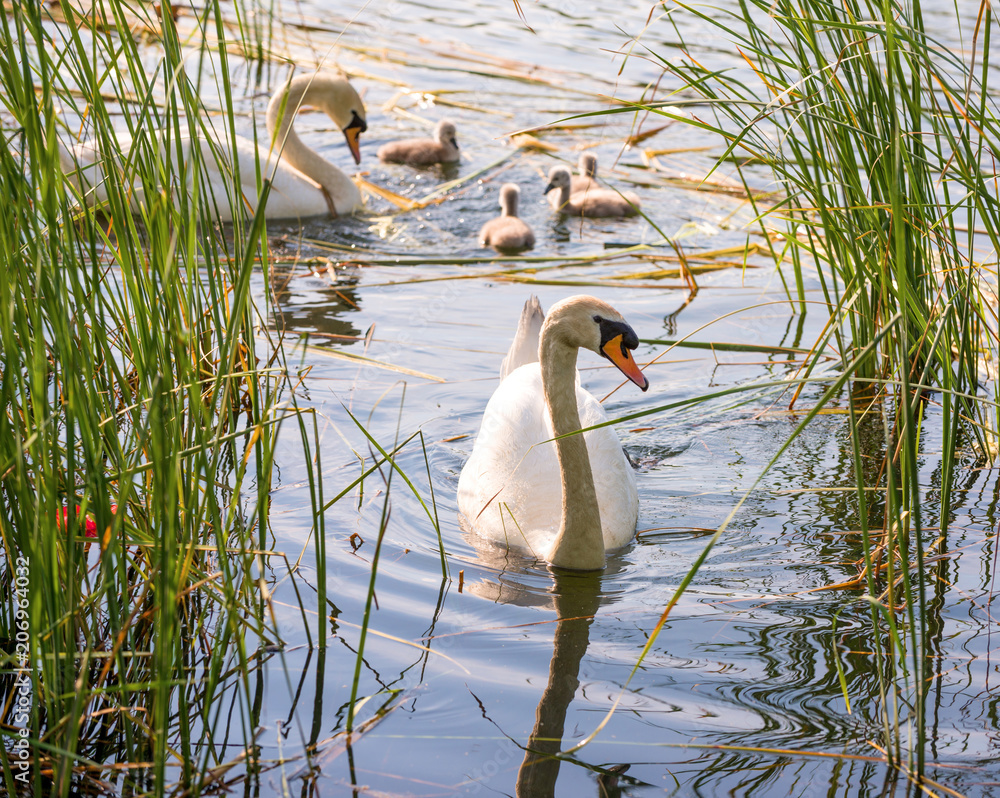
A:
[(580, 543), (284, 105)]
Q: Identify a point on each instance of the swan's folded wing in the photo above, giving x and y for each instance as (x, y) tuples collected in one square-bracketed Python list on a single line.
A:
[(510, 485), (293, 195), (524, 349)]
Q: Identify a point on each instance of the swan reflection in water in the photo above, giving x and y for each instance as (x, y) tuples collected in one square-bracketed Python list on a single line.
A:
[(576, 597)]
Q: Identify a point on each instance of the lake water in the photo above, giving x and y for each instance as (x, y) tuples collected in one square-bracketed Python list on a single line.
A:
[(739, 694)]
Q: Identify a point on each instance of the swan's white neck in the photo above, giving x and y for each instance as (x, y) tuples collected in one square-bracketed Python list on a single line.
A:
[(302, 91), (580, 542)]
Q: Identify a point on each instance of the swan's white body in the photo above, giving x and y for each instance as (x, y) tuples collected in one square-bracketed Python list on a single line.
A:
[(303, 183), (516, 478), (511, 490)]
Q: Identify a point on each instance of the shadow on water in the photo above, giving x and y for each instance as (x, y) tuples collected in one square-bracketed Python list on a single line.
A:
[(318, 303)]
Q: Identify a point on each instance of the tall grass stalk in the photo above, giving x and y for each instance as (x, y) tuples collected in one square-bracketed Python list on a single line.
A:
[(133, 396), (884, 141)]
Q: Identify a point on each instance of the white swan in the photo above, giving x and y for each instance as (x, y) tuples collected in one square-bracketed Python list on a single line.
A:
[(303, 183), (570, 500), (507, 233)]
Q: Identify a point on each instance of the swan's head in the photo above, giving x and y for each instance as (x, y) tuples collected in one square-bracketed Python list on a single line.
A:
[(589, 323), (353, 130), (509, 192), (588, 164), (335, 95), (332, 94), (445, 133), (350, 118), (558, 178)]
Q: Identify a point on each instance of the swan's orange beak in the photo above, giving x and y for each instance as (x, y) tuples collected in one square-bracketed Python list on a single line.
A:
[(615, 351), (353, 136)]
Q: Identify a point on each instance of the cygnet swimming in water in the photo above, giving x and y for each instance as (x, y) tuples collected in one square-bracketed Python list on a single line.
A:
[(587, 179), (443, 148), (592, 203), (507, 233)]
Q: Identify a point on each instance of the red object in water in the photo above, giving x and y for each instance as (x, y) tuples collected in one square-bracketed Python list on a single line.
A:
[(89, 524)]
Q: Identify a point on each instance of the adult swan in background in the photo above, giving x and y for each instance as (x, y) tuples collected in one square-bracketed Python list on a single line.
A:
[(303, 183), (567, 501)]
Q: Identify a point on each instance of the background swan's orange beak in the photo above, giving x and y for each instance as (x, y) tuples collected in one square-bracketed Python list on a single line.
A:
[(353, 136), (622, 357)]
